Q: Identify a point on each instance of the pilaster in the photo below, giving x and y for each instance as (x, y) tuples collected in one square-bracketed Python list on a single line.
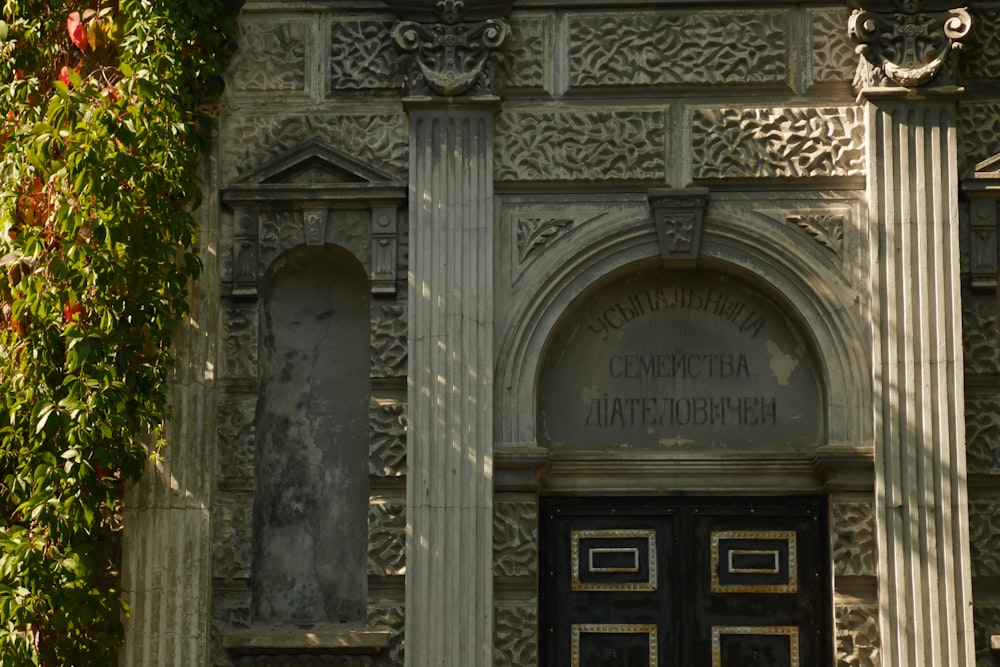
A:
[(921, 515), (449, 578)]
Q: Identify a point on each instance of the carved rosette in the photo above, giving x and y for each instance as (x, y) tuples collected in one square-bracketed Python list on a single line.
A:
[(451, 57), (907, 46)]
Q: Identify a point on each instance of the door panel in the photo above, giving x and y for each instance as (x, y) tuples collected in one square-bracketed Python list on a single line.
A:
[(658, 582)]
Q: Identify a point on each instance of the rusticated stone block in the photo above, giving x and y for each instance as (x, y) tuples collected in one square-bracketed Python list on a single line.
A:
[(524, 62), (982, 435), (362, 56), (515, 641), (979, 333), (388, 616), (232, 537), (853, 525), (235, 454), (857, 637), (978, 128), (381, 140), (833, 58), (389, 341), (660, 48), (981, 54), (386, 537), (239, 341), (515, 539), (789, 142), (388, 439), (984, 538), (271, 56), (580, 145)]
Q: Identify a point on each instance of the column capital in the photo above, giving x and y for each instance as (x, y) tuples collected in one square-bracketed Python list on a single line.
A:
[(907, 43), (455, 54)]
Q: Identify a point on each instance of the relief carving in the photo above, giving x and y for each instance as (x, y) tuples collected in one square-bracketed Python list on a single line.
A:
[(271, 57), (908, 46), (978, 129), (647, 48), (239, 341), (524, 66), (236, 441), (362, 56), (388, 439), (381, 140), (515, 640), (827, 228), (389, 342), (984, 538), (279, 231), (979, 333), (853, 525), (981, 55), (533, 234), (833, 58), (982, 435), (451, 57), (857, 637), (986, 623), (583, 146), (790, 142), (388, 616), (515, 539), (232, 530), (386, 538)]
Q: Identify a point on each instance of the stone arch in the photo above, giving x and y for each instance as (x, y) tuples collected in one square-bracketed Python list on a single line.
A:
[(312, 492), (803, 278)]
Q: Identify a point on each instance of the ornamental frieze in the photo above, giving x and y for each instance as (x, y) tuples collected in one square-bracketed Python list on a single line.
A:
[(906, 44)]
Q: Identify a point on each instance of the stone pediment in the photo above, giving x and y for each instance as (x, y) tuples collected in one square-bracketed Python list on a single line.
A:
[(315, 171), (988, 170)]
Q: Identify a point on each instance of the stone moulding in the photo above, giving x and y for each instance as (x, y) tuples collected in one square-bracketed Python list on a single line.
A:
[(906, 45), (453, 56)]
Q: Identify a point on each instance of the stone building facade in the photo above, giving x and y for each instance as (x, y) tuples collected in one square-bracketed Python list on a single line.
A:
[(578, 333)]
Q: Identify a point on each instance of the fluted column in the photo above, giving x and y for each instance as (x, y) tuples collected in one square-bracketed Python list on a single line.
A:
[(449, 553), (925, 591)]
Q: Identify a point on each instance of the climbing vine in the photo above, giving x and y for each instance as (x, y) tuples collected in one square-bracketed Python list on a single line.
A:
[(100, 129)]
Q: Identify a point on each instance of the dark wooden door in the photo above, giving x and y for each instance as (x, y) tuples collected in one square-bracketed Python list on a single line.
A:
[(692, 582)]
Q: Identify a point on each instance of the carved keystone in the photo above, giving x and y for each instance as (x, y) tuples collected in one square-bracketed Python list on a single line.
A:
[(678, 215)]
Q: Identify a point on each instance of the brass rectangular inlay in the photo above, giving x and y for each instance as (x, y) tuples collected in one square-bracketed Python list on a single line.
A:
[(791, 631), (595, 565), (611, 628), (754, 568)]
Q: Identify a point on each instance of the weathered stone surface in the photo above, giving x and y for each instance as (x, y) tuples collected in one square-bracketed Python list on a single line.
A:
[(379, 139), (389, 616), (234, 462), (857, 637), (853, 525), (389, 342), (980, 314), (386, 537), (281, 231), (833, 57), (643, 48), (305, 660), (580, 145), (271, 56), (984, 538), (239, 341), (982, 435), (388, 445), (524, 64), (986, 619), (232, 537), (515, 642), (980, 58), (789, 142), (978, 127), (362, 56), (515, 539)]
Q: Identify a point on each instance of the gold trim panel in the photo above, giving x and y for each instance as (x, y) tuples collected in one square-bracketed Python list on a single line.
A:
[(791, 631), (787, 535), (648, 534), (581, 628)]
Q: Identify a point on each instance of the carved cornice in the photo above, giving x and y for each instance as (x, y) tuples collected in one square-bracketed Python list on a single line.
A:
[(907, 43), (453, 56)]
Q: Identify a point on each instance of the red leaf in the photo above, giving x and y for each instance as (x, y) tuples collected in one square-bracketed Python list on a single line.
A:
[(77, 34), (64, 75)]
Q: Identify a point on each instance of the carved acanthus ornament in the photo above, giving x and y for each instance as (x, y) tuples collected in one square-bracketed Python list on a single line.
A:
[(907, 44), (453, 56)]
